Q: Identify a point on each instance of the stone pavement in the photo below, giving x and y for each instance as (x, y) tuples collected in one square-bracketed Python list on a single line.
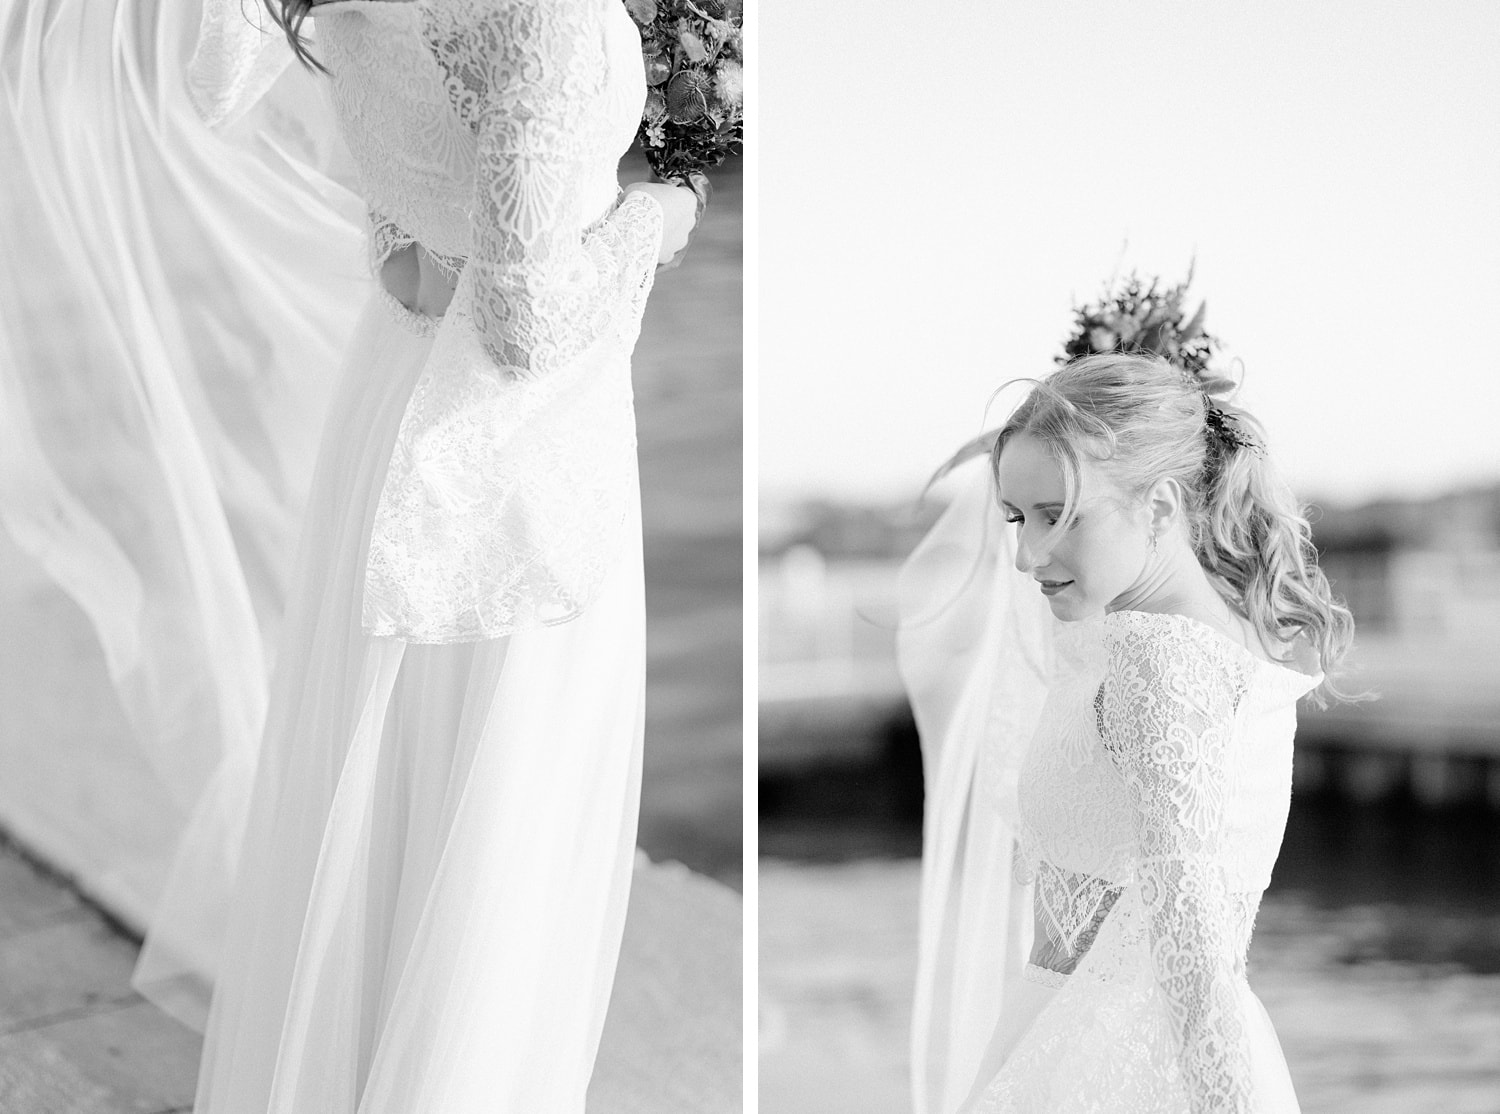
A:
[(74, 1039)]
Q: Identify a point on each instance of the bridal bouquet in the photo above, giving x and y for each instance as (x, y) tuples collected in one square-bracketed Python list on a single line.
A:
[(1138, 318), (694, 57)]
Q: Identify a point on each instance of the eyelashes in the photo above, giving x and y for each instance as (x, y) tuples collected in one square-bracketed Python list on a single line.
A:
[(1051, 520)]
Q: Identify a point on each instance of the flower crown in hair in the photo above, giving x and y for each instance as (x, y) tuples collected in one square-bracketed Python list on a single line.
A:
[(1227, 432), (1145, 319)]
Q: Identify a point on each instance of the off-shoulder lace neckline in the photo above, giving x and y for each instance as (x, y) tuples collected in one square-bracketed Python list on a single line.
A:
[(1199, 624)]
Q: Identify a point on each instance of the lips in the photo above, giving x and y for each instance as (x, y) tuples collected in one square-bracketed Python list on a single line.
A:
[(1052, 587)]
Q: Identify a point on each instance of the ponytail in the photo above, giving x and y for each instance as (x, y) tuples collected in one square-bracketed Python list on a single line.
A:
[(1255, 538), (1146, 419)]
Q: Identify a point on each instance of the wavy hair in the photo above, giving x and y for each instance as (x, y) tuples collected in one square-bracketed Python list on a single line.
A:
[(288, 15), (1143, 420)]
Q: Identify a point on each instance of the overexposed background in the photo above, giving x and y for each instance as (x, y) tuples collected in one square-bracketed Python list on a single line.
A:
[(942, 180), (940, 184)]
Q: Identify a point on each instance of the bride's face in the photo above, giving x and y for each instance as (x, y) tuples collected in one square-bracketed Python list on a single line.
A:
[(1100, 556)]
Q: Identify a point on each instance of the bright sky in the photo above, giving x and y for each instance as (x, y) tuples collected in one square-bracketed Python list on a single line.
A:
[(937, 184)]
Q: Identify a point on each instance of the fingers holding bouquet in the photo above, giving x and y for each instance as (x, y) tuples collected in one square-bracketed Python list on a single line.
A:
[(680, 209), (693, 53)]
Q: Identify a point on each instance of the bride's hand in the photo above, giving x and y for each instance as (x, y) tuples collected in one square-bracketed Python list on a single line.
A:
[(679, 208)]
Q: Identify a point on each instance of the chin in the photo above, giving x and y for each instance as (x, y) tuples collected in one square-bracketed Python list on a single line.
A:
[(1073, 606), (1066, 609)]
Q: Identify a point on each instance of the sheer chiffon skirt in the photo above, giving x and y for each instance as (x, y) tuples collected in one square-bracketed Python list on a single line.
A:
[(438, 851), (1103, 1039)]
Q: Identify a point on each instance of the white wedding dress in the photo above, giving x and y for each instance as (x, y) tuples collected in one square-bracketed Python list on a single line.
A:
[(440, 839), (439, 847), (1133, 771)]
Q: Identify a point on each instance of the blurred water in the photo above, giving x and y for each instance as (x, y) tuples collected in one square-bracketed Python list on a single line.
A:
[(687, 373), (1376, 952)]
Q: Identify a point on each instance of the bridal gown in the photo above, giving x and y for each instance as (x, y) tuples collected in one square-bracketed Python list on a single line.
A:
[(1153, 799), (1105, 801), (438, 854)]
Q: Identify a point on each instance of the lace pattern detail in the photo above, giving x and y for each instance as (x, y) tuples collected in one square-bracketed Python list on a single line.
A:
[(1243, 908), (238, 56), (487, 133), (414, 157), (418, 324), (1070, 908), (1102, 1042), (386, 239), (1043, 976), (1152, 802), (505, 498), (1169, 707), (1075, 850), (540, 297)]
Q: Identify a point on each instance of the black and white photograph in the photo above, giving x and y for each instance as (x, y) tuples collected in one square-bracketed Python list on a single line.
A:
[(699, 557), (1129, 558), (371, 556)]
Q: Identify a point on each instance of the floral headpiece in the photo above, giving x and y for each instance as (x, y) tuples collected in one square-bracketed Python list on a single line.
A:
[(1145, 319), (1227, 432)]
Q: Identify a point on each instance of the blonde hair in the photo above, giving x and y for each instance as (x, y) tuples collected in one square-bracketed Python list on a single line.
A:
[(1143, 419)]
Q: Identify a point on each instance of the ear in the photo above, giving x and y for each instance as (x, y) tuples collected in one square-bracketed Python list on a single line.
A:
[(1164, 506)]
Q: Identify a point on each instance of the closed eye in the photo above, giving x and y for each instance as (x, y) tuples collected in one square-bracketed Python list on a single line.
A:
[(1017, 517)]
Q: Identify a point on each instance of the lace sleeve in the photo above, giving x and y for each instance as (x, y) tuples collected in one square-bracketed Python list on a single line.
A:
[(386, 239), (544, 289), (1167, 706), (238, 56)]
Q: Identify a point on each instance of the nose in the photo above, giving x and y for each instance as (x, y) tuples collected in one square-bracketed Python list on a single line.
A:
[(1024, 562)]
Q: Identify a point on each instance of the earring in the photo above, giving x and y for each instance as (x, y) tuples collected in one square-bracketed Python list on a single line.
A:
[(1153, 543)]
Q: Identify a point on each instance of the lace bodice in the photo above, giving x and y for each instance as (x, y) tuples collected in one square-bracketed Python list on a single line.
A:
[(1161, 769), (494, 130), (489, 133)]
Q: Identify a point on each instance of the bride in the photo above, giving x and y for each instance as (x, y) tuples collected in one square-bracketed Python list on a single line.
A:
[(433, 883), (1107, 728)]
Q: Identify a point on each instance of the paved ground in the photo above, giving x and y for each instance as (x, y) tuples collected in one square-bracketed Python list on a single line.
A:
[(75, 1040)]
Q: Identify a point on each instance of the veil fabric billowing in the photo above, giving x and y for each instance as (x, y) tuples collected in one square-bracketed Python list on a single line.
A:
[(974, 648), (173, 301)]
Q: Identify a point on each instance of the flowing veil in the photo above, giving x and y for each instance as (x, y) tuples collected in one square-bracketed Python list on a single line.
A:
[(174, 303), (974, 650), (177, 298)]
